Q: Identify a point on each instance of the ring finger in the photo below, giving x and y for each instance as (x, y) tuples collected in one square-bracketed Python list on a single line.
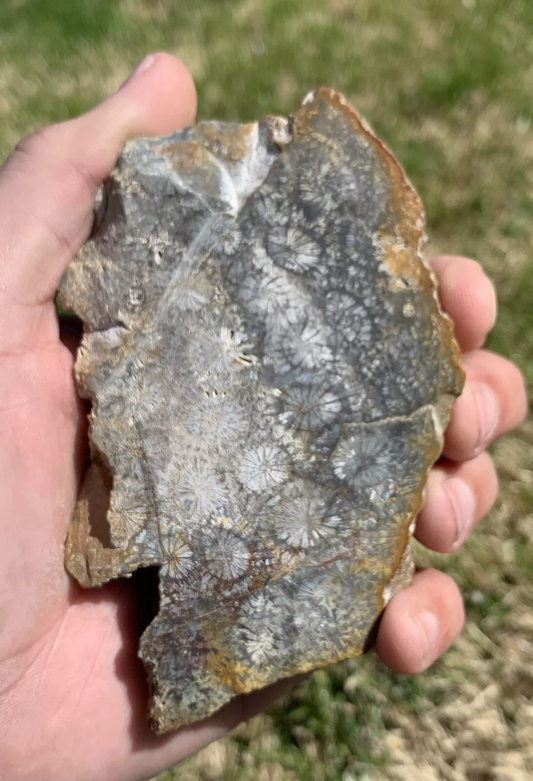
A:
[(457, 497)]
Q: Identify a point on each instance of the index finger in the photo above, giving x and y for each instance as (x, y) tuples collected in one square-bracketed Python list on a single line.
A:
[(468, 297)]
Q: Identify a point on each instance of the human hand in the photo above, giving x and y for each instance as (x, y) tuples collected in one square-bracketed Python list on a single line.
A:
[(72, 690)]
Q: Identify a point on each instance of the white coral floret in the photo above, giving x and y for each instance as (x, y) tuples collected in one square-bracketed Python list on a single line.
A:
[(199, 489), (178, 558), (294, 248), (227, 555), (309, 407), (364, 459), (263, 467)]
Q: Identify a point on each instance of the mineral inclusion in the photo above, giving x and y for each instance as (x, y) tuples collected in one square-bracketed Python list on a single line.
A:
[(271, 375)]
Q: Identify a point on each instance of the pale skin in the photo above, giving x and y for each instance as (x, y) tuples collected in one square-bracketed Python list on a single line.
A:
[(72, 691)]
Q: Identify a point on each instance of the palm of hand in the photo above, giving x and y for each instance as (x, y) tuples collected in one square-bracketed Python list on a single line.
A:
[(69, 673)]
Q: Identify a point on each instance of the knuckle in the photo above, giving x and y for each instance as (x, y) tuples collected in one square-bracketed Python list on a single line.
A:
[(40, 141), (49, 147)]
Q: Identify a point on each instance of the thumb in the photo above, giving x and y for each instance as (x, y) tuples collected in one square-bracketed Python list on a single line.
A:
[(48, 184)]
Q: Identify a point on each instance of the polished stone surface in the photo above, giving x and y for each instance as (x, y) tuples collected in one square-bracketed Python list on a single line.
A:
[(271, 376)]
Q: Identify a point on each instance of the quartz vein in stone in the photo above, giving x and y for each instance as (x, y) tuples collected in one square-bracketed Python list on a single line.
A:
[(271, 375)]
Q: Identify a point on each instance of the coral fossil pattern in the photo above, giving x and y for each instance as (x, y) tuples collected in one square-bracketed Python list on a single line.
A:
[(271, 375)]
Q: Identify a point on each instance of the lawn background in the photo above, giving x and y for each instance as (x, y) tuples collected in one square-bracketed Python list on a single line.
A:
[(449, 85)]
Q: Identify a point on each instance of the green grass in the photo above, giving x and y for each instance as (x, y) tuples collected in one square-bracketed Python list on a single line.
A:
[(449, 86)]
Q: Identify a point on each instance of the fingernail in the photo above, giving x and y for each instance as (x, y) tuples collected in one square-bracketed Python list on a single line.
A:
[(488, 413), (429, 630), (463, 502), (141, 68)]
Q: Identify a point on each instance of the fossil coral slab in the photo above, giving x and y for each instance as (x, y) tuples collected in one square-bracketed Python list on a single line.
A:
[(271, 375)]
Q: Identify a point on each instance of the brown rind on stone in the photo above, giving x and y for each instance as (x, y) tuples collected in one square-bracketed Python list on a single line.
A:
[(408, 229), (214, 290), (88, 556), (232, 145)]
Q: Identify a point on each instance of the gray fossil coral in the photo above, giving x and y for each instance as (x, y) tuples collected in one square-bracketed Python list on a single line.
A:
[(271, 375)]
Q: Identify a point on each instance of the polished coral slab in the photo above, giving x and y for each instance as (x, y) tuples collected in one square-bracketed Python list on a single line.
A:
[(271, 375)]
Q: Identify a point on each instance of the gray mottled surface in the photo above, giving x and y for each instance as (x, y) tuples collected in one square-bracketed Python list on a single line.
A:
[(271, 375)]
